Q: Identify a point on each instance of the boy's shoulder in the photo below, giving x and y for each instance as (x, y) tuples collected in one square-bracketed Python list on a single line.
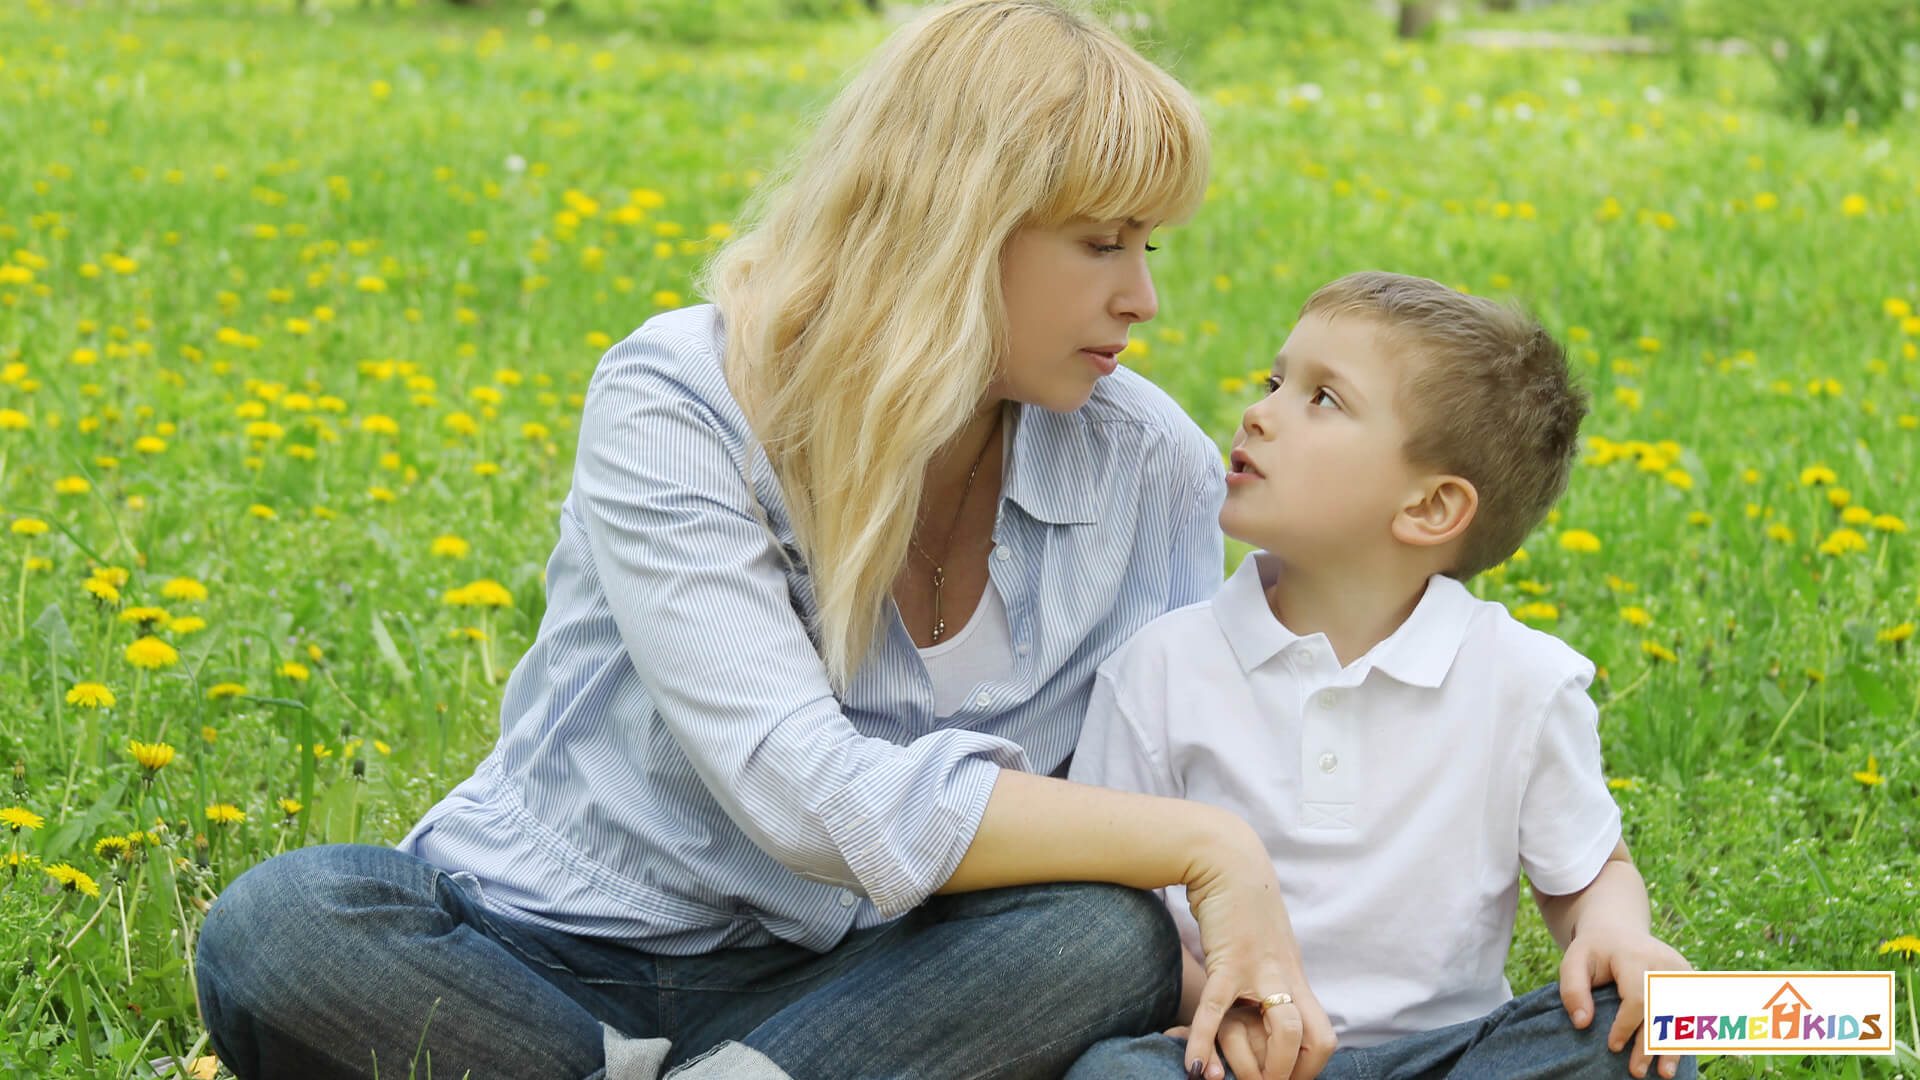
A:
[(1167, 647), (1495, 642)]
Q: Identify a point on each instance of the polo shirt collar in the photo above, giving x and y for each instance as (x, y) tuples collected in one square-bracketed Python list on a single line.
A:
[(1050, 475), (1419, 653)]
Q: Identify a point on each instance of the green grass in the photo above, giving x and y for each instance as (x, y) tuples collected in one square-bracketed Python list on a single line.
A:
[(424, 213)]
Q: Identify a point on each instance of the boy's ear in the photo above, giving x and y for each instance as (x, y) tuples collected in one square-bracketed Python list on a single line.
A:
[(1439, 511)]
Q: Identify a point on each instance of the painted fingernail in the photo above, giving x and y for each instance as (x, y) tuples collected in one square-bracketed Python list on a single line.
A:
[(1196, 1070)]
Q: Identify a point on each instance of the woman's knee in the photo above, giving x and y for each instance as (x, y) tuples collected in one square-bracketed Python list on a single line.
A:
[(1110, 940)]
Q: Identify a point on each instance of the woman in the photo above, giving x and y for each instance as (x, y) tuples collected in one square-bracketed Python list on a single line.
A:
[(842, 552)]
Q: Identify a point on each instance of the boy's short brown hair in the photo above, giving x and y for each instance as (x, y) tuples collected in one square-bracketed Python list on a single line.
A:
[(1494, 403)]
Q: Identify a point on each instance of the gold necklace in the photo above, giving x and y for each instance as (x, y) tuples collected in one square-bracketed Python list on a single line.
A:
[(940, 571)]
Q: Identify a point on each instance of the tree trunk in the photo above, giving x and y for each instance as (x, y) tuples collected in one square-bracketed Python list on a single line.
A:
[(1415, 17)]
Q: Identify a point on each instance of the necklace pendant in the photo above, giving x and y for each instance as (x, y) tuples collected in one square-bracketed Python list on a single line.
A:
[(939, 629)]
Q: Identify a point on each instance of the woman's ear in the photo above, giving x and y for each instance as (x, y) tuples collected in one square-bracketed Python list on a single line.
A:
[(1439, 511)]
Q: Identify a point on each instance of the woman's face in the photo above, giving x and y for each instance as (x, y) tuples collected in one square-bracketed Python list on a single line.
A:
[(1072, 291)]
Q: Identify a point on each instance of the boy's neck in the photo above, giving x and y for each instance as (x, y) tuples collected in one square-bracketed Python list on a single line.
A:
[(1356, 609)]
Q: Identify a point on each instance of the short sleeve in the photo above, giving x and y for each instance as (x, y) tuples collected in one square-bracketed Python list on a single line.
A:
[(1113, 751), (1569, 822)]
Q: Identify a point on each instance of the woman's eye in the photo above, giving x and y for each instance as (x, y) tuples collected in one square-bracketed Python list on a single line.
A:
[(1322, 397)]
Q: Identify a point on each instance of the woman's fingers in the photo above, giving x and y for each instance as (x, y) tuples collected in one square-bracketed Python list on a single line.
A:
[(1238, 1049), (1214, 1002), (1285, 1035)]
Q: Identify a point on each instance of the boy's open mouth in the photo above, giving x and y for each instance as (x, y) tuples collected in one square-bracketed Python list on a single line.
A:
[(1241, 463)]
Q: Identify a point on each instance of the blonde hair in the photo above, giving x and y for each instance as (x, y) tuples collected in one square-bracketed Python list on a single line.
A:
[(863, 311), (1493, 403)]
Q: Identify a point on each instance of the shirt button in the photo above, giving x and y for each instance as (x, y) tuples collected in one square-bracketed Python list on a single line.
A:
[(1328, 763), (1329, 698), (1002, 553), (1022, 649), (983, 701), (847, 898)]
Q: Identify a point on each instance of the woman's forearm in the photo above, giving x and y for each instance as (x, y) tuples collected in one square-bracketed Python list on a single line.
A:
[(1038, 829)]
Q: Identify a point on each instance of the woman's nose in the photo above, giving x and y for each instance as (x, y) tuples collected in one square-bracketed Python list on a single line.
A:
[(1136, 300)]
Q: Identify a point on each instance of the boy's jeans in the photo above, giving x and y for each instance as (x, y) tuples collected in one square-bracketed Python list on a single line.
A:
[(334, 961), (1528, 1038)]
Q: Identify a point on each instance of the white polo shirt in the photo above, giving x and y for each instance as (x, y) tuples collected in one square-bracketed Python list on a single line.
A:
[(1399, 796)]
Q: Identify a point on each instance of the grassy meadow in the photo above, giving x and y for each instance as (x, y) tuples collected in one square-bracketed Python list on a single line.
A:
[(296, 311)]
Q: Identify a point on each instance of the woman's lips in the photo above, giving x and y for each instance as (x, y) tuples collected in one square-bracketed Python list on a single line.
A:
[(1106, 363)]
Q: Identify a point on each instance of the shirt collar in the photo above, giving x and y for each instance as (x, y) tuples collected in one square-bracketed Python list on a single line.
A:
[(1419, 653), (1050, 475)]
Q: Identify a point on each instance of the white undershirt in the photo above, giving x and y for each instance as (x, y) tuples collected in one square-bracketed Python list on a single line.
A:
[(982, 650)]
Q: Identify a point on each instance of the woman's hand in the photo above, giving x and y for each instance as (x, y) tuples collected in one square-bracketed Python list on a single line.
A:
[(1251, 954)]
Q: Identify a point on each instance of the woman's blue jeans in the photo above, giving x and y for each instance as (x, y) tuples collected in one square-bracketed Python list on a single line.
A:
[(346, 960)]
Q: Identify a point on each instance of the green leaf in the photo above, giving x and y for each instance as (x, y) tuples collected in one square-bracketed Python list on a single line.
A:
[(388, 652), (52, 625), (288, 703), (1872, 691), (60, 840), (1769, 693)]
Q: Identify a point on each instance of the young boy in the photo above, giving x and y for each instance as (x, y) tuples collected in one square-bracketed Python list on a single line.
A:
[(1404, 749)]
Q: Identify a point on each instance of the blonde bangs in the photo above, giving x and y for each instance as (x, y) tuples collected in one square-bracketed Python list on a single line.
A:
[(1134, 147)]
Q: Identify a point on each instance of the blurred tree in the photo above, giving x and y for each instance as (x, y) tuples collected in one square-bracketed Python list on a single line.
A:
[(1416, 16)]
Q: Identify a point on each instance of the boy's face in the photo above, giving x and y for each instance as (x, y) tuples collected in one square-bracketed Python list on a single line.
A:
[(1318, 470)]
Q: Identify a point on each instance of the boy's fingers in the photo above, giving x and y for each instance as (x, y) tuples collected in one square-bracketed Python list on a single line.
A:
[(1576, 985), (1238, 1051), (1285, 1036), (1631, 1015)]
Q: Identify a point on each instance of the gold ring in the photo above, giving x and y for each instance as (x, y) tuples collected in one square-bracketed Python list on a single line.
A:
[(1282, 998)]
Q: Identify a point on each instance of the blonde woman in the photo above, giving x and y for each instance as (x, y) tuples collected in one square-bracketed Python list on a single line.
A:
[(771, 796)]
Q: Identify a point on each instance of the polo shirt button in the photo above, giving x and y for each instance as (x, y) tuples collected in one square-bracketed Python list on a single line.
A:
[(1002, 553), (1328, 763), (983, 701), (847, 898), (1329, 698)]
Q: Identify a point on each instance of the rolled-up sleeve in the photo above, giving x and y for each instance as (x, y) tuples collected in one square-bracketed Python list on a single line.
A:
[(700, 591)]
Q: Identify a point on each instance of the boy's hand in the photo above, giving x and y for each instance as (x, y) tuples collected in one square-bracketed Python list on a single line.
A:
[(1242, 1040), (1621, 955)]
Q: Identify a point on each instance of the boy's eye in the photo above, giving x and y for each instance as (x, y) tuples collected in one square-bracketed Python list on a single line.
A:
[(1273, 384), (1322, 397)]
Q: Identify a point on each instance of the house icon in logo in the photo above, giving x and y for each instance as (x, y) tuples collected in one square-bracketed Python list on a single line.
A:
[(1786, 1014)]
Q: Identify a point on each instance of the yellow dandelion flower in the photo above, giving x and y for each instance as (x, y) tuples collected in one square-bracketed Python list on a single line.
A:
[(72, 485), (262, 511), (16, 818), (1700, 518), (1856, 515), (1621, 783), (103, 589), (1580, 540), (111, 847), (152, 756), (225, 814), (209, 734), (187, 625), (73, 879), (382, 747), (1895, 634), (1839, 496), (90, 695), (483, 593), (1679, 478), (225, 690), (1538, 611), (451, 547), (1817, 474), (1658, 651), (290, 807), (1777, 531), (1853, 205), (150, 652), (295, 670), (27, 526), (145, 616), (321, 753), (535, 431), (1870, 776), (1887, 523), (1843, 542), (183, 588), (1636, 616), (1905, 944)]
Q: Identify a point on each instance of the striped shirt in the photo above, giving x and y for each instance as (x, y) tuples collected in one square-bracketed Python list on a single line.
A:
[(673, 768)]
